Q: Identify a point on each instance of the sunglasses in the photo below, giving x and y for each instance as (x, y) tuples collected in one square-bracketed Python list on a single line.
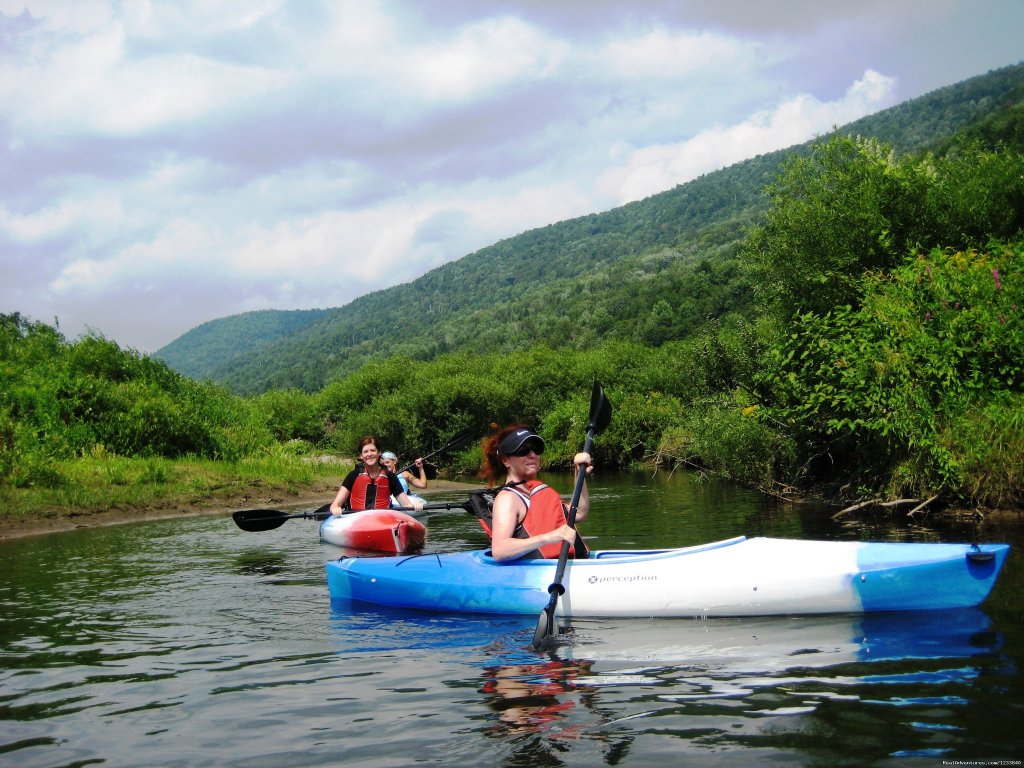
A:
[(526, 450)]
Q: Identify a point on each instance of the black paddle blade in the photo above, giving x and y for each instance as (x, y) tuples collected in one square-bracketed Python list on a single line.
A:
[(600, 416), (464, 438), (268, 519), (545, 626), (600, 410), (259, 519)]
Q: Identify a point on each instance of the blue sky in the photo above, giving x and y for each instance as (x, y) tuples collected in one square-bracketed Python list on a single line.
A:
[(163, 164)]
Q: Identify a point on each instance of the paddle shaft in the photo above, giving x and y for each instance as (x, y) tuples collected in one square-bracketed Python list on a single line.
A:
[(458, 441), (556, 588), (600, 415), (257, 520)]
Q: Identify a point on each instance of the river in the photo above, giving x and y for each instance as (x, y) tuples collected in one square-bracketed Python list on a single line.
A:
[(189, 642)]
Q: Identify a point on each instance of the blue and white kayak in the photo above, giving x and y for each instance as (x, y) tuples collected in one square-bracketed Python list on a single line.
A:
[(735, 577)]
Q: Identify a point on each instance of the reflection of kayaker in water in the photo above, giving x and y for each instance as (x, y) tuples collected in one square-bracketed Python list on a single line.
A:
[(537, 697), (528, 517)]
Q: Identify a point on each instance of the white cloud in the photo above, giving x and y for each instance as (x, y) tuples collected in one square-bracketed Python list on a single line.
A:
[(652, 169), (168, 162), (482, 58), (662, 54), (69, 216)]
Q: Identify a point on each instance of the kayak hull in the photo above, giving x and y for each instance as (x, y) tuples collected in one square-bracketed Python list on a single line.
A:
[(377, 530), (735, 577)]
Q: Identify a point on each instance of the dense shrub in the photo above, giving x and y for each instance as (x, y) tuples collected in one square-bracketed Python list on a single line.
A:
[(894, 388), (65, 399)]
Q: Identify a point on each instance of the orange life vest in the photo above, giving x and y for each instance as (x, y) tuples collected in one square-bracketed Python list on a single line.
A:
[(545, 511), (371, 492)]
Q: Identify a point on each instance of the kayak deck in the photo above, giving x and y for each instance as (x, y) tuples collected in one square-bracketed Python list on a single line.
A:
[(733, 577)]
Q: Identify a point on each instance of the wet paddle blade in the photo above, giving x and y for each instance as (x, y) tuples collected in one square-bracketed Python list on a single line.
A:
[(259, 519), (545, 626)]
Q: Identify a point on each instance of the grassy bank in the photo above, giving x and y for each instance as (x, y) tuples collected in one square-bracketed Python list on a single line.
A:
[(110, 488)]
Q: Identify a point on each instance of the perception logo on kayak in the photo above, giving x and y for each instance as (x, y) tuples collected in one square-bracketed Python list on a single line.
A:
[(600, 579)]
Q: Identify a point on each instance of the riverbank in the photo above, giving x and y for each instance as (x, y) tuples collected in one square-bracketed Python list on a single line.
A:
[(257, 497)]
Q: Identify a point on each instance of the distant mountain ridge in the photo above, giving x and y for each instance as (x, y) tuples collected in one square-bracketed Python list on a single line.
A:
[(649, 270), (216, 343)]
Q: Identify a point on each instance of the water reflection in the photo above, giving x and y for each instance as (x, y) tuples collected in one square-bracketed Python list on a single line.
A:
[(771, 644), (715, 684), (261, 563), (191, 642), (541, 697), (549, 713)]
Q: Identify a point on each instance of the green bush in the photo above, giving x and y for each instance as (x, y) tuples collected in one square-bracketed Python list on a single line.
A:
[(891, 388)]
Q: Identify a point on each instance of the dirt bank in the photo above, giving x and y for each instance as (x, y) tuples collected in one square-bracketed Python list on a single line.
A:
[(314, 496)]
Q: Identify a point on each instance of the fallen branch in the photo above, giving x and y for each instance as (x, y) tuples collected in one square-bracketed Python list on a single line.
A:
[(855, 507), (922, 505), (898, 502)]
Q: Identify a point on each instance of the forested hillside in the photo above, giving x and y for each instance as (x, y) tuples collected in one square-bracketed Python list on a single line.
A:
[(651, 271), (859, 333), (218, 343)]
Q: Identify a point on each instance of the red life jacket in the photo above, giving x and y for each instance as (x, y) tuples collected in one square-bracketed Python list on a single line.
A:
[(545, 511), (362, 488)]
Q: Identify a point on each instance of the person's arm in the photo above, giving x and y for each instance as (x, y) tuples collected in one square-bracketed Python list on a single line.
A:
[(337, 506), (505, 518), (343, 494), (401, 496), (418, 482), (404, 501), (581, 461)]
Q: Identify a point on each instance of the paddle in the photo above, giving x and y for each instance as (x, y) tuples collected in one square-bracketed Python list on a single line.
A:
[(256, 520), (600, 415), (464, 438)]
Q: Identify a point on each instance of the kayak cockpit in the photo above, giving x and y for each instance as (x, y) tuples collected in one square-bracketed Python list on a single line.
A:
[(608, 554)]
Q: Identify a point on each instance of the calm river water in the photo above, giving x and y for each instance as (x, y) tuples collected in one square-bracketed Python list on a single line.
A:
[(192, 643)]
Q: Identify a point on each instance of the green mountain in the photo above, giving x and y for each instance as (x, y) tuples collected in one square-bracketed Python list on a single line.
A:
[(220, 343), (653, 270)]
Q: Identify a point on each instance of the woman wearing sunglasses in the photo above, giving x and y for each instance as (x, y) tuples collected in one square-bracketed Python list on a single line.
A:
[(528, 517)]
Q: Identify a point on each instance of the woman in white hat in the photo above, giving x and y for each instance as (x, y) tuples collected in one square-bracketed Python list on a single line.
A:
[(406, 478)]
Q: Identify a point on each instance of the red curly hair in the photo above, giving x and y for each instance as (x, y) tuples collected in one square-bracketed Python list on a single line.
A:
[(492, 471)]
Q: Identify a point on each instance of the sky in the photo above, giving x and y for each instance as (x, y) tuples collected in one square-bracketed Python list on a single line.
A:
[(167, 163)]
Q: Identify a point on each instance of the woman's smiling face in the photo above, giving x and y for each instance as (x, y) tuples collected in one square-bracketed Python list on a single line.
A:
[(369, 454)]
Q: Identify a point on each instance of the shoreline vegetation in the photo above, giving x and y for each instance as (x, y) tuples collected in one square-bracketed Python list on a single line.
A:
[(211, 491), (212, 488)]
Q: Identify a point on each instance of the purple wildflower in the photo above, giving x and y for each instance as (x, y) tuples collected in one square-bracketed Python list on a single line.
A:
[(995, 276)]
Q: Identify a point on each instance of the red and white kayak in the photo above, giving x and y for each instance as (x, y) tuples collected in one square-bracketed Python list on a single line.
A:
[(379, 530)]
